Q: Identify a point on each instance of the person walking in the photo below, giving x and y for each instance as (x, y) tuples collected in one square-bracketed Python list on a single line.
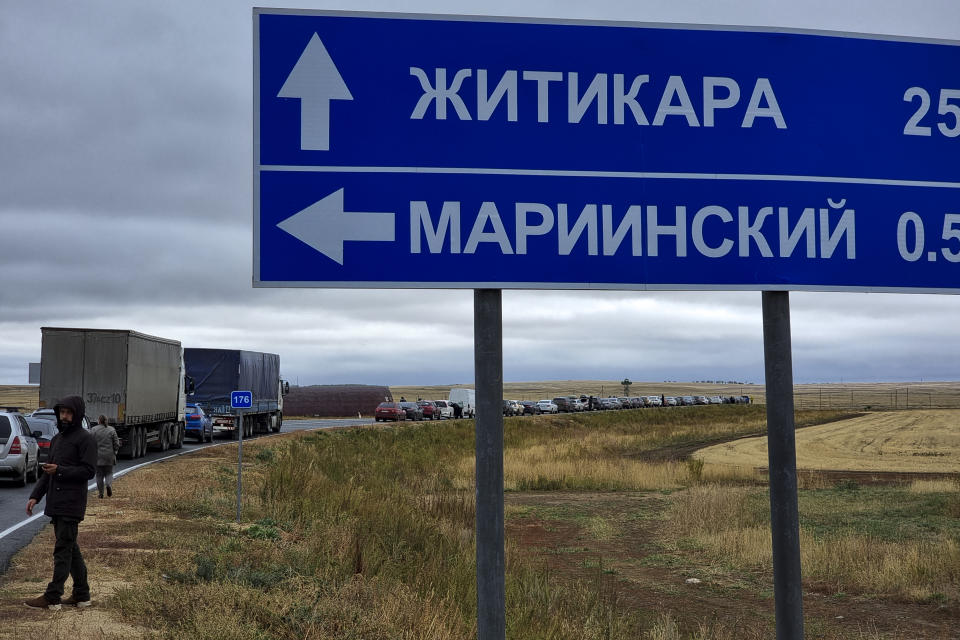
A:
[(107, 446), (72, 462)]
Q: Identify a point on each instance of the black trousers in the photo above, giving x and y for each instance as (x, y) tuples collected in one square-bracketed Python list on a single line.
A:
[(67, 561)]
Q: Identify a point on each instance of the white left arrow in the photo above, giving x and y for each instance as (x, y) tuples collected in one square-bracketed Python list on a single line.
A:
[(325, 226), (316, 81)]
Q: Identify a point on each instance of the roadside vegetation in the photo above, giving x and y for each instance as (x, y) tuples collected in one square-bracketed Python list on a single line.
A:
[(368, 533)]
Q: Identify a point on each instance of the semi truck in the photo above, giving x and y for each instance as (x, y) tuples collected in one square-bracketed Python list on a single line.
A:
[(217, 372), (135, 380)]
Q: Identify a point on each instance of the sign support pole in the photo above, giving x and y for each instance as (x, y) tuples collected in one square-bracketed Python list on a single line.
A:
[(782, 461), (488, 371), (239, 463)]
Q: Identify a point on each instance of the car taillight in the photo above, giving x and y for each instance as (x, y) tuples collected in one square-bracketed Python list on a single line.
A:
[(193, 416), (15, 446), (43, 444)]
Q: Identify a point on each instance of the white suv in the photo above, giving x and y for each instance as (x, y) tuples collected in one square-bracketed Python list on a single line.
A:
[(19, 453), (446, 411)]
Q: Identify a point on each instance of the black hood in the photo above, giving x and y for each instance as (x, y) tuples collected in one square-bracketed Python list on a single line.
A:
[(76, 404)]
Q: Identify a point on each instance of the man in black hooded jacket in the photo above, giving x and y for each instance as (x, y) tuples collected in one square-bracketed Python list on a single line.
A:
[(71, 464)]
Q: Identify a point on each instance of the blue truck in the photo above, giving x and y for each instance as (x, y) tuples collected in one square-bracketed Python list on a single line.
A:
[(217, 372)]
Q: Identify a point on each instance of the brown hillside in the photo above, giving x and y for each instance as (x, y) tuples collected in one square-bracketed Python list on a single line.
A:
[(331, 400)]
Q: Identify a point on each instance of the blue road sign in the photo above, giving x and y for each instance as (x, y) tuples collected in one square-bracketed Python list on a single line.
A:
[(439, 151), (241, 399)]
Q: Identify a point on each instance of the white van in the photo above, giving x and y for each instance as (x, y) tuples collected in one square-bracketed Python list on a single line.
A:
[(467, 399)]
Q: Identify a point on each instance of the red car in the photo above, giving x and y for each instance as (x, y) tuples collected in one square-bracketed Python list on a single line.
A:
[(430, 410), (390, 411)]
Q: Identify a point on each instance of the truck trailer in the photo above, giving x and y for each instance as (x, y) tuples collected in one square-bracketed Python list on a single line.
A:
[(217, 372), (135, 380)]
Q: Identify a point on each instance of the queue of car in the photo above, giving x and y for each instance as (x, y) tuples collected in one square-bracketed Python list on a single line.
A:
[(573, 404), (419, 410), (439, 409)]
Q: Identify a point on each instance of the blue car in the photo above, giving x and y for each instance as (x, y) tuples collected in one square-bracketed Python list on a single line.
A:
[(198, 424)]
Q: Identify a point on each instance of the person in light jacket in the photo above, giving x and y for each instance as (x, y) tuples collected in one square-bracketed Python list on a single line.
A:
[(107, 446)]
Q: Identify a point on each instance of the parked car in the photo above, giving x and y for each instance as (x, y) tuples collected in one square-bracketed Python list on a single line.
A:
[(655, 401), (530, 407), (510, 408), (48, 414), (686, 401), (670, 401), (716, 400), (430, 411), (389, 411), (625, 403), (563, 404), (19, 453), (701, 400), (198, 424), (446, 409), (576, 404), (610, 403), (547, 406), (413, 410), (43, 432)]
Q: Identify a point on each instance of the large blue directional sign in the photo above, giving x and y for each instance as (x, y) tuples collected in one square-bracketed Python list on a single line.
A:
[(439, 151)]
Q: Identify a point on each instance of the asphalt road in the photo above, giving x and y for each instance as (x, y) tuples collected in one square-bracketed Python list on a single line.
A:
[(17, 529)]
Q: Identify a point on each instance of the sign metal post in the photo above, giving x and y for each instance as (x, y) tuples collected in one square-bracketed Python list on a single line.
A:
[(488, 373), (240, 400), (239, 463), (782, 455)]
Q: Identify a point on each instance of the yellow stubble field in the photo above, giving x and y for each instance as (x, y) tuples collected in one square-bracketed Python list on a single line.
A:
[(922, 441)]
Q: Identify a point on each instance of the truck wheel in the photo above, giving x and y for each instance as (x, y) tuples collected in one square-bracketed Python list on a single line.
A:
[(141, 442), (164, 436)]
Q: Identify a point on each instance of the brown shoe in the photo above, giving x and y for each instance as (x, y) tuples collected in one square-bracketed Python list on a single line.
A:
[(73, 602), (41, 602)]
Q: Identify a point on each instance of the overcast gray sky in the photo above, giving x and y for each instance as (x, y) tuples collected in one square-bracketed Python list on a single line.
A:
[(125, 202)]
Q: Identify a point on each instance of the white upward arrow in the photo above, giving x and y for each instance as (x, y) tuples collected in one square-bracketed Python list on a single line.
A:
[(325, 226), (316, 81)]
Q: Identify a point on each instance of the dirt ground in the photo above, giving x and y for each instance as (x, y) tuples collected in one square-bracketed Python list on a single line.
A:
[(101, 544), (925, 441), (565, 532)]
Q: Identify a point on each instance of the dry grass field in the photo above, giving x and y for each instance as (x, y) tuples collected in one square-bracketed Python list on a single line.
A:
[(925, 441), (851, 395), (368, 533), (24, 397)]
